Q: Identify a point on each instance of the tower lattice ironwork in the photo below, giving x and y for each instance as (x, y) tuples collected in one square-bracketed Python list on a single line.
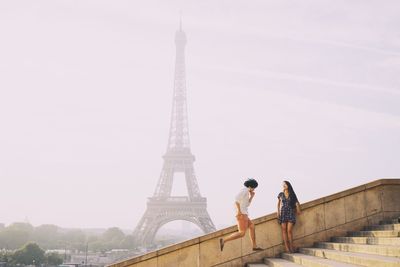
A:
[(163, 207)]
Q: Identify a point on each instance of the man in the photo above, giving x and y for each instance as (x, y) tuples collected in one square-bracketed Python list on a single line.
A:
[(243, 201)]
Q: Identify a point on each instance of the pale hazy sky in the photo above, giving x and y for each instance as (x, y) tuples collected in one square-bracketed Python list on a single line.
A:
[(301, 90)]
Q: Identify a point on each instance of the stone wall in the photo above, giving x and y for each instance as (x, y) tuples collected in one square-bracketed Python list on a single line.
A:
[(321, 219)]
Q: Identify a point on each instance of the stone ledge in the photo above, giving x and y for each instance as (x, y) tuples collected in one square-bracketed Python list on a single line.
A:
[(260, 220), (184, 244), (137, 259)]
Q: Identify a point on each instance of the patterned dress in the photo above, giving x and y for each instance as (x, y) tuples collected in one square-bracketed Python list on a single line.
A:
[(287, 213)]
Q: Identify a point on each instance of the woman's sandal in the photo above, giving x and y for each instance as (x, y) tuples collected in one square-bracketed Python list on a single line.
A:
[(257, 249)]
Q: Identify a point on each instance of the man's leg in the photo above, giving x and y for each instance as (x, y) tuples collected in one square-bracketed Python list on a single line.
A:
[(252, 229), (242, 223)]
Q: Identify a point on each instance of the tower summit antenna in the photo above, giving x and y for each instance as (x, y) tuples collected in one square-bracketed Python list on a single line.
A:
[(180, 20)]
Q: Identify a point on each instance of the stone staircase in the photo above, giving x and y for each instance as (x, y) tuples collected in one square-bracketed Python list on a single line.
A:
[(376, 246)]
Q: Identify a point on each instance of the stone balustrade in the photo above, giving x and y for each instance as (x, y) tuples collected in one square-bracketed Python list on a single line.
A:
[(321, 219)]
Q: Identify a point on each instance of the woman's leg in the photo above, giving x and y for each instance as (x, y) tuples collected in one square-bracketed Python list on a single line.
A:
[(253, 236), (285, 236), (242, 223), (290, 236), (252, 233)]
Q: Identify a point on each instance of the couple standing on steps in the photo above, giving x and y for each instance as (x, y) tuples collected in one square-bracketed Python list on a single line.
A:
[(287, 205)]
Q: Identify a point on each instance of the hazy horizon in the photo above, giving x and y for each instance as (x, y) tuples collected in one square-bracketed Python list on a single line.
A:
[(300, 91)]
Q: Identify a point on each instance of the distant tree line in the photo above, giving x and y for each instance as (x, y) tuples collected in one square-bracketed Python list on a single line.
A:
[(30, 254), (48, 237)]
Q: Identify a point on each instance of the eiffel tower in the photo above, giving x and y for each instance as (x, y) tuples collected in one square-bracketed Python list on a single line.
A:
[(162, 207)]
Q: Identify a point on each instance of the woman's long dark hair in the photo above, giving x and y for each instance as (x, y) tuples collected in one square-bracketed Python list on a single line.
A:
[(292, 195)]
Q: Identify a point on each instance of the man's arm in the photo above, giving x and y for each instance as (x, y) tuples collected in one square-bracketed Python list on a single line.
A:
[(239, 212), (252, 193)]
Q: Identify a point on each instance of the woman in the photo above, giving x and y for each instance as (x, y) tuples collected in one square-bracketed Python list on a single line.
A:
[(243, 200), (287, 205)]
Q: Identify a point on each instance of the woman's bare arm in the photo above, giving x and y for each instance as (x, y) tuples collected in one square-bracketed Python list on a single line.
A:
[(298, 208), (279, 207)]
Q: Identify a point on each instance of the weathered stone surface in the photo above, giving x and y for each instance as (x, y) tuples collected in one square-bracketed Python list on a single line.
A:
[(311, 261), (383, 250), (345, 193), (355, 206), (269, 234), (310, 221), (309, 240), (390, 214), (133, 261), (232, 263), (188, 256), (391, 198), (170, 259), (314, 220), (258, 256), (277, 250), (210, 253), (342, 230), (147, 263), (353, 258), (218, 234), (178, 246), (391, 241), (335, 213), (375, 219), (373, 198)]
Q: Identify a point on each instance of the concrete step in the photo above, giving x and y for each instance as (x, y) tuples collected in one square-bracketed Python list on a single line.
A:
[(384, 250), (392, 233), (313, 261), (397, 220), (256, 265), (353, 257), (394, 241), (275, 262), (383, 227)]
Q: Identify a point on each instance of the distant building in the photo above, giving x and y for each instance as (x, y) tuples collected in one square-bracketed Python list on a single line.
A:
[(59, 251), (70, 265), (98, 258)]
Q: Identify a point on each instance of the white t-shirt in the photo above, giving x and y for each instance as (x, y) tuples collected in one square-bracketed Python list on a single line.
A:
[(243, 199)]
